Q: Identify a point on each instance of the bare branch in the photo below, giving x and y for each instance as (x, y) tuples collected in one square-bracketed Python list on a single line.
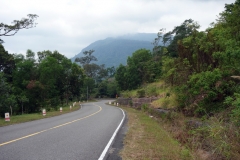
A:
[(10, 30)]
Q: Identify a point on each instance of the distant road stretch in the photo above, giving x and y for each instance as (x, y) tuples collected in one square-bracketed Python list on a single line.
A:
[(80, 135)]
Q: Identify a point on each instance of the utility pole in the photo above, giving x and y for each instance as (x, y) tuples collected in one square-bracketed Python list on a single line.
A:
[(87, 93)]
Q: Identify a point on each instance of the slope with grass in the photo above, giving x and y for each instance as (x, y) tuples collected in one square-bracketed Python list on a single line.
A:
[(207, 137), (146, 139)]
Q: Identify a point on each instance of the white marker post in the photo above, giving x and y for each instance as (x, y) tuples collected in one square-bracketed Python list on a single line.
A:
[(60, 109), (7, 117), (117, 104), (70, 107), (44, 112)]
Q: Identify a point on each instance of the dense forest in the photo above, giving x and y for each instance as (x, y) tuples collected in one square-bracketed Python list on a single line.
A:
[(29, 84)]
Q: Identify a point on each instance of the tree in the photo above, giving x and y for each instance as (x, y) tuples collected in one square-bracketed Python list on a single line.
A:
[(76, 80), (102, 73), (138, 66), (111, 71), (4, 92), (91, 69), (156, 40), (87, 59), (30, 55), (50, 73), (7, 63), (179, 32), (10, 30), (120, 77)]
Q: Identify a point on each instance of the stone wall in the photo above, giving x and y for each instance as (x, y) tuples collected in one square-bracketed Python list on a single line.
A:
[(124, 101), (135, 102)]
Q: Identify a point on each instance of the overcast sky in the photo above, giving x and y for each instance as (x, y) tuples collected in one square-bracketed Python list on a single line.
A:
[(68, 26)]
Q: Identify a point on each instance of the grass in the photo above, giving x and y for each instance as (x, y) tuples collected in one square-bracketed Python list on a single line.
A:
[(166, 102), (35, 116), (146, 139), (214, 137), (156, 89), (153, 89)]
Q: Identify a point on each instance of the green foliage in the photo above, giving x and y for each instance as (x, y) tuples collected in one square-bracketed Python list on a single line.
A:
[(4, 93), (205, 62), (120, 77), (141, 68), (87, 59), (141, 93), (144, 107), (204, 81), (235, 103), (28, 86), (187, 28), (151, 91), (7, 64), (169, 70)]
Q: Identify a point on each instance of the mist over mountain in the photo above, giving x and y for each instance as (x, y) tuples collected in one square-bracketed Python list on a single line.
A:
[(115, 50)]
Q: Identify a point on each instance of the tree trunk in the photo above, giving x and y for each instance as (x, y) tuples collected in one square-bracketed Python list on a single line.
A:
[(11, 109), (22, 108)]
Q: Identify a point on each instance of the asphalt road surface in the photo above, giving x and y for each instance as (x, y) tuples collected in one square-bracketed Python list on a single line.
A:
[(80, 135)]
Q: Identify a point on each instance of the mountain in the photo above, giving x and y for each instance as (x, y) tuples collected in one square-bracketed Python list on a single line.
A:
[(114, 51)]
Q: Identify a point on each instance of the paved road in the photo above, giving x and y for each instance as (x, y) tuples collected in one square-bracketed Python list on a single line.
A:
[(80, 135)]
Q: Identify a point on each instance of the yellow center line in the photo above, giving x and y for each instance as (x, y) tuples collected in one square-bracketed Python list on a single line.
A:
[(61, 125)]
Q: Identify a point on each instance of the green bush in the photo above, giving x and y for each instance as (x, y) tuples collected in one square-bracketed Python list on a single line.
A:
[(236, 111), (144, 107), (152, 91), (141, 93)]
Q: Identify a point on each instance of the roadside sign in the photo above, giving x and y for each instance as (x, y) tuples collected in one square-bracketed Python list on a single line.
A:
[(7, 117), (44, 112)]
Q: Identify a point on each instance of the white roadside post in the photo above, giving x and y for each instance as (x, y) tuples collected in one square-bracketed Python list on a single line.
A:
[(70, 107), (44, 112), (7, 117), (109, 102), (117, 104), (60, 109)]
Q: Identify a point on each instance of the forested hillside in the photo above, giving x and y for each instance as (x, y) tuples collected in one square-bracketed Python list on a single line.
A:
[(201, 73), (203, 65), (115, 51)]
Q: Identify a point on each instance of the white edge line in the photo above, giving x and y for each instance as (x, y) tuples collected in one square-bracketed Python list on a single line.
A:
[(112, 138)]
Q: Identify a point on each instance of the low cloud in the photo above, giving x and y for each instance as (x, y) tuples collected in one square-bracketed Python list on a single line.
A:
[(69, 26)]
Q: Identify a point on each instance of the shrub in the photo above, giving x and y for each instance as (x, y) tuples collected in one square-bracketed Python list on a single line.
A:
[(141, 93), (144, 107)]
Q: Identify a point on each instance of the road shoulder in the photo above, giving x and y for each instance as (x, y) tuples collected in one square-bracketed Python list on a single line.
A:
[(117, 146)]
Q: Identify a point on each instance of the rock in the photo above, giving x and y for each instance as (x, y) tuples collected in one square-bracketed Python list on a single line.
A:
[(160, 110)]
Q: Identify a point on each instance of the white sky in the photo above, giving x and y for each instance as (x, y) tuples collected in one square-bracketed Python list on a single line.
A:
[(68, 26)]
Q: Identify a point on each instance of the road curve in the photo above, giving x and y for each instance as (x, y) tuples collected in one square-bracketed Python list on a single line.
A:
[(80, 135)]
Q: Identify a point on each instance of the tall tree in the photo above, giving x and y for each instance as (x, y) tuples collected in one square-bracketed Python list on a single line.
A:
[(7, 63), (180, 32), (87, 59), (10, 30), (120, 77)]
